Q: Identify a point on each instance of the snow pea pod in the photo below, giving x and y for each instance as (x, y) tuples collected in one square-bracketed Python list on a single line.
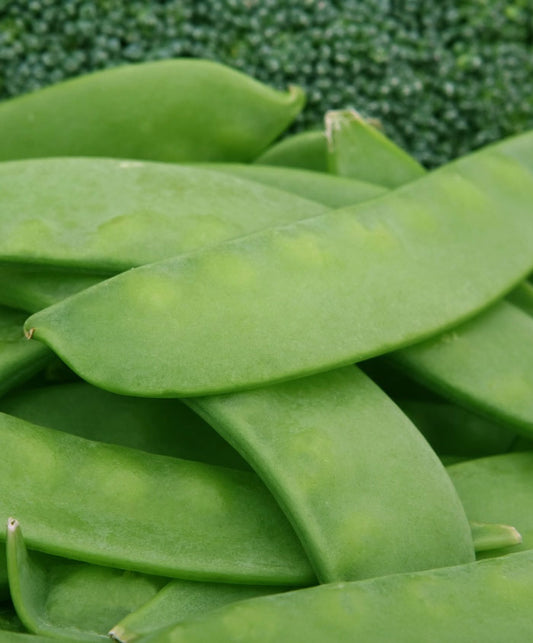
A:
[(309, 296), (488, 601), (18, 361), (108, 215), (499, 489), (167, 427), (160, 110), (485, 364), (334, 441), (306, 150), (61, 599), (330, 190), (144, 512), (181, 600), (358, 149)]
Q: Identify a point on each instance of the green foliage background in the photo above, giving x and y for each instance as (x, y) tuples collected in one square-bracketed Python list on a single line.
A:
[(443, 76)]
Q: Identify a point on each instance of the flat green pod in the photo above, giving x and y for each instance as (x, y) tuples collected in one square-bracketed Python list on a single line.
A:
[(31, 289), (328, 189), (453, 430), (119, 507), (180, 601), (62, 599), (498, 489), (485, 364), (357, 149), (306, 297), (108, 215), (306, 150), (18, 360), (162, 426), (487, 601), (169, 110), (363, 490)]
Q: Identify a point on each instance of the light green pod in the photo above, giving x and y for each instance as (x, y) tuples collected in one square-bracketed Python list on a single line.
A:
[(18, 360), (166, 427), (32, 289), (120, 507), (485, 364), (306, 297), (498, 489), (362, 488), (330, 190), (63, 599), (306, 150), (181, 600), (171, 110), (487, 601), (357, 149), (454, 430), (108, 215)]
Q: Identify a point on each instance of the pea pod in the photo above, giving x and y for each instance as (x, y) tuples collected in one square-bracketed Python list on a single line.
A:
[(486, 601), (357, 149), (18, 361), (144, 512), (305, 150), (327, 189), (485, 364), (499, 489), (165, 427), (64, 599), (181, 600), (161, 110), (334, 441), (301, 298), (108, 215)]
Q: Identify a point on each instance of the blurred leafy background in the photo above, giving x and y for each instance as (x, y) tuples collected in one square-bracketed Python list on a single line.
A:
[(443, 76)]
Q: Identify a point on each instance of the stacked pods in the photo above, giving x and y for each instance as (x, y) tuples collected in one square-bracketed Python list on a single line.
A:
[(244, 294)]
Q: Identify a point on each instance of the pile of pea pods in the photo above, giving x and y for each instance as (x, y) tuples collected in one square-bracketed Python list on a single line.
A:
[(257, 390)]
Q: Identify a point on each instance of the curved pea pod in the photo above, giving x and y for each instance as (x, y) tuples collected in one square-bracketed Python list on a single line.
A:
[(166, 427), (358, 149), (18, 361), (498, 489), (488, 601), (108, 215), (485, 364), (171, 110), (306, 150), (32, 289), (62, 599), (144, 512), (180, 601), (362, 488), (330, 190), (306, 297), (454, 430)]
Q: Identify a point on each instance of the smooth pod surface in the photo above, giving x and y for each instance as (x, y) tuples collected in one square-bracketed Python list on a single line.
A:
[(60, 598), (363, 490), (297, 299), (486, 601), (110, 505), (18, 360), (108, 215), (498, 489), (166, 427), (305, 150), (180, 600), (170, 110)]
